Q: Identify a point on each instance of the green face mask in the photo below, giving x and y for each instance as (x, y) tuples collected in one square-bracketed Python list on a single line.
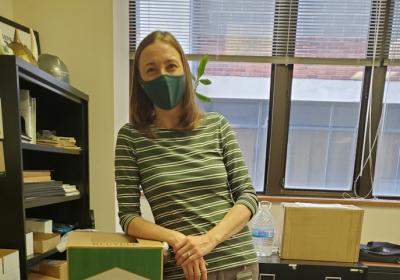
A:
[(165, 91)]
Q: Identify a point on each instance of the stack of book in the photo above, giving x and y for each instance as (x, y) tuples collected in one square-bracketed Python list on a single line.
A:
[(36, 176), (43, 189), (48, 137), (38, 183)]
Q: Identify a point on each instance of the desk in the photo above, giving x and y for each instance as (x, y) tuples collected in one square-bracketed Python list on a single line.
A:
[(383, 271), (273, 268)]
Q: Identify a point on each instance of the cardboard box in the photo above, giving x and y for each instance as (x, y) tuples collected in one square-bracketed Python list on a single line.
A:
[(29, 243), (54, 268), (9, 264), (13, 274), (43, 242), (38, 225), (321, 232), (98, 252)]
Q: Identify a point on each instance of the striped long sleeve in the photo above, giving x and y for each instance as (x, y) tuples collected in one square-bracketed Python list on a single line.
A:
[(127, 179), (238, 176)]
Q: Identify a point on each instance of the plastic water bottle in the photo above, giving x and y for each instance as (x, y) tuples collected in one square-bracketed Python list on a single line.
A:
[(263, 230)]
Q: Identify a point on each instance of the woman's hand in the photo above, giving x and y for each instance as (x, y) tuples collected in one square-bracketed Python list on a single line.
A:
[(174, 238), (192, 248), (195, 270)]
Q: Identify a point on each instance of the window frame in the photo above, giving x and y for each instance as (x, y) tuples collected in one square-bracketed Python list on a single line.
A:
[(280, 98)]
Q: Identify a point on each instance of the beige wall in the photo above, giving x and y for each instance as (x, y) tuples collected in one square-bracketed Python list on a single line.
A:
[(81, 33), (6, 9)]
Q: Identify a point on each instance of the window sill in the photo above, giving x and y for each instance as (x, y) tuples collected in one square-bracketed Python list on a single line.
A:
[(353, 201)]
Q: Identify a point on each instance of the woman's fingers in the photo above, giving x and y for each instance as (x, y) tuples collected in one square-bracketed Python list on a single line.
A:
[(195, 270), (203, 269), (185, 272)]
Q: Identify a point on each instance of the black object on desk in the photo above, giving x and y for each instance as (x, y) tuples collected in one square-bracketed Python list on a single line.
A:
[(273, 268)]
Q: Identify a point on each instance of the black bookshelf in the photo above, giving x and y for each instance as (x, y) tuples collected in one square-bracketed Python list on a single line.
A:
[(59, 107), (50, 149), (42, 201), (36, 258)]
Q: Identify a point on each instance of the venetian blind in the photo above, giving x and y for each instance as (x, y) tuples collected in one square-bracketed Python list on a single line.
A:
[(283, 28)]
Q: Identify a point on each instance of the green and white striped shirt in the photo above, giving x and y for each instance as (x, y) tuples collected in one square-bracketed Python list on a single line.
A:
[(191, 180)]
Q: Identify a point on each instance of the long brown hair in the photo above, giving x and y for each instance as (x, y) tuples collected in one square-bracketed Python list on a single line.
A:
[(141, 109)]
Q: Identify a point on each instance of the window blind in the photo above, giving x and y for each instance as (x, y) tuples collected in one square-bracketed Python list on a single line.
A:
[(394, 39), (221, 27), (280, 28)]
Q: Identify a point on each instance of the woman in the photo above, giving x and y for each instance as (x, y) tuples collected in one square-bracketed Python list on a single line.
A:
[(189, 167)]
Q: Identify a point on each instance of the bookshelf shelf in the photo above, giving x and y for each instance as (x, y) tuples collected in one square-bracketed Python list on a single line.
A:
[(35, 258), (47, 148), (58, 107), (36, 202)]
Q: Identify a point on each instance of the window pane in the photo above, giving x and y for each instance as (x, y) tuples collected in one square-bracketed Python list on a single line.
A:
[(240, 92), (336, 29), (233, 27), (173, 16), (387, 173), (323, 127)]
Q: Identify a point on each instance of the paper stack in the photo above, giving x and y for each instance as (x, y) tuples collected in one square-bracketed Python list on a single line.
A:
[(48, 137)]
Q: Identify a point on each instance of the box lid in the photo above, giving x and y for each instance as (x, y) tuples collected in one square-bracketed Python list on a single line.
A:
[(109, 240), (321, 205)]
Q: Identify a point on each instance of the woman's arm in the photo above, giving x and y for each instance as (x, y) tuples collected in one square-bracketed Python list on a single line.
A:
[(243, 194), (141, 228), (201, 245)]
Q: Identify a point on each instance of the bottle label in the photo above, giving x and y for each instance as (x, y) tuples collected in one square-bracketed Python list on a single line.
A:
[(263, 233)]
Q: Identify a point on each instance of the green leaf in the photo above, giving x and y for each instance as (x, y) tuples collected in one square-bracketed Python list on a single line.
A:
[(205, 82), (202, 66), (203, 97)]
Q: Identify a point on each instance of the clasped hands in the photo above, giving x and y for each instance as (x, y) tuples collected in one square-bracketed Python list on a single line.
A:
[(189, 253)]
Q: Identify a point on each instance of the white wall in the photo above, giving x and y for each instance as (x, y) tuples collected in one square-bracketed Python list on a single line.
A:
[(82, 34), (7, 9), (121, 71)]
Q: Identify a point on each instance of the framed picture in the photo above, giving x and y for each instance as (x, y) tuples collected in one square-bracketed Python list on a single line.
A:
[(8, 27)]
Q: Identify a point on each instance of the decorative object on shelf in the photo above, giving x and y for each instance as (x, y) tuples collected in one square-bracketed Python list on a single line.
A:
[(54, 66), (4, 49), (8, 27), (20, 50), (34, 48)]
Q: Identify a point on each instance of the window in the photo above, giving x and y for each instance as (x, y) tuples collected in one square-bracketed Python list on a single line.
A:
[(387, 174), (297, 80), (323, 127), (239, 91)]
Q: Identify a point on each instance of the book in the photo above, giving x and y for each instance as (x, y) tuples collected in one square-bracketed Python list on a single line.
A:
[(1, 123), (2, 164), (36, 173), (37, 179), (33, 120), (26, 112)]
